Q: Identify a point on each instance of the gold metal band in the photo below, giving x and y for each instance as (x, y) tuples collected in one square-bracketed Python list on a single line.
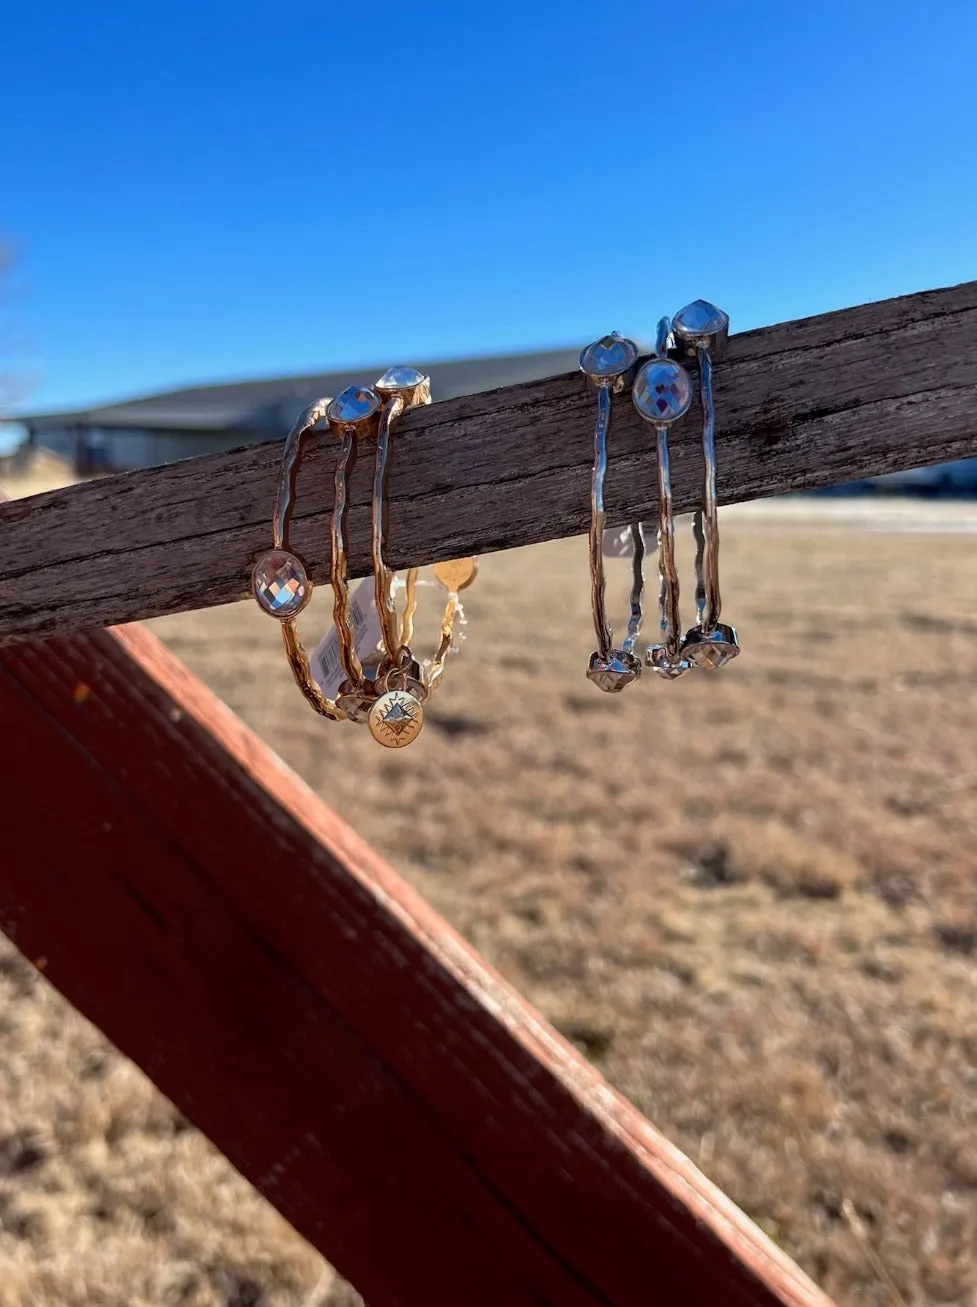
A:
[(298, 658), (397, 637), (382, 576), (290, 463), (410, 606), (433, 674), (338, 570), (352, 415)]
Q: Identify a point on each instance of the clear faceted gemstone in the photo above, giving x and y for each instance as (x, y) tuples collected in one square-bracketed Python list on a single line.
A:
[(700, 318), (611, 356), (711, 656), (355, 706), (615, 673), (662, 391), (281, 584), (658, 659), (353, 404), (401, 378), (712, 651)]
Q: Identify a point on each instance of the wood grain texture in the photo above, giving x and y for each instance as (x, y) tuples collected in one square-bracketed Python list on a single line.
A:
[(351, 1055), (811, 403)]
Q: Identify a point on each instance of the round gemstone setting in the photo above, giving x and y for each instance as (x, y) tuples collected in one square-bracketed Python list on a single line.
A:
[(354, 404), (662, 391), (710, 650), (280, 584), (401, 378), (657, 657), (412, 386), (700, 319), (614, 674), (611, 356)]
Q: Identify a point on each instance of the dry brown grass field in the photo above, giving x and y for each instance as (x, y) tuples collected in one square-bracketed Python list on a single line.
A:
[(751, 899)]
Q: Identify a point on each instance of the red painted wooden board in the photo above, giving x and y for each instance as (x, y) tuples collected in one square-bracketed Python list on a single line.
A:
[(352, 1056)]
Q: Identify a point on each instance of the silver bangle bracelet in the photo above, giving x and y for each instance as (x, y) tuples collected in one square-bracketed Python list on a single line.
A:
[(701, 330), (662, 394), (608, 364)]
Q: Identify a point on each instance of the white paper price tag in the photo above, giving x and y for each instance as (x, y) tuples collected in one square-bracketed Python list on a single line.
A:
[(327, 667), (616, 542)]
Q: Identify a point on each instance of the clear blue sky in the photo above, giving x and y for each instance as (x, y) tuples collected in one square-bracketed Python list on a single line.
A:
[(212, 190)]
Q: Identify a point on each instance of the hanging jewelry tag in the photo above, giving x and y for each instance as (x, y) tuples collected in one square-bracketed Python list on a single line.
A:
[(327, 666), (456, 574), (617, 542)]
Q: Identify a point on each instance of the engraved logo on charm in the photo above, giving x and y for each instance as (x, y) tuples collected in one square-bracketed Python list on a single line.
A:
[(396, 719)]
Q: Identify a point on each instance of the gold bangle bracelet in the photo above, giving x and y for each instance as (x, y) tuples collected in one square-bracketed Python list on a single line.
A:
[(397, 715), (353, 415), (282, 587), (455, 575), (401, 388), (280, 581), (410, 606)]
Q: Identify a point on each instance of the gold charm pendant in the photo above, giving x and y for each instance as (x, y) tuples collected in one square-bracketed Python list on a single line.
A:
[(456, 574), (396, 719)]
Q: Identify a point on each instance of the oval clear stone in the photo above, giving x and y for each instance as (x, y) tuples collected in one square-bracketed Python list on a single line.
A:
[(353, 404), (662, 391), (281, 584)]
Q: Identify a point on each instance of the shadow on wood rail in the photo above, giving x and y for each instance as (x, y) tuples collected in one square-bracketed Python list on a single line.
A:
[(810, 403), (355, 1059)]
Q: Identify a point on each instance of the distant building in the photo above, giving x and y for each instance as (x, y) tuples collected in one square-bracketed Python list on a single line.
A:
[(957, 480), (206, 419)]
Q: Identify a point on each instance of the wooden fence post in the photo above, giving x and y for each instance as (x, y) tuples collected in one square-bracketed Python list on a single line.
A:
[(353, 1057)]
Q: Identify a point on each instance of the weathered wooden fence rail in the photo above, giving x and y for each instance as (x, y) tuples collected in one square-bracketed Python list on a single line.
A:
[(803, 404)]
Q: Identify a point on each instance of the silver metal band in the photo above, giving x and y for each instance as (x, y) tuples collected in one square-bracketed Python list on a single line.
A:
[(668, 595), (608, 363), (598, 582), (708, 601), (662, 394), (701, 328), (637, 586)]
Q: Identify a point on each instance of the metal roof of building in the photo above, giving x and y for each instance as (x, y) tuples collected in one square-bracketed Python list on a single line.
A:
[(268, 404)]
